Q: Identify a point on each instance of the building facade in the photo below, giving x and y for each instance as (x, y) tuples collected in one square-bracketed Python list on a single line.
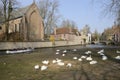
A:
[(27, 22)]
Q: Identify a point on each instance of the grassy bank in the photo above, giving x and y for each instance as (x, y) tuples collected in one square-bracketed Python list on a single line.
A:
[(21, 66)]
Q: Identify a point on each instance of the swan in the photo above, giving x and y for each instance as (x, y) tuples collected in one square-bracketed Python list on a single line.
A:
[(63, 54), (64, 51), (45, 62), (104, 57), (117, 51), (36, 67), (61, 63), (101, 51), (54, 61), (43, 67), (74, 58), (93, 62), (83, 56), (88, 52), (58, 60), (57, 53), (57, 50), (69, 65), (74, 50), (89, 58), (117, 57), (101, 54), (79, 59)]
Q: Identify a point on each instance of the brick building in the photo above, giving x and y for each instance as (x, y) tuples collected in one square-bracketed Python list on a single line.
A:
[(27, 22)]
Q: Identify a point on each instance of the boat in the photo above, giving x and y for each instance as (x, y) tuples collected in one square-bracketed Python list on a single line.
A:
[(24, 50)]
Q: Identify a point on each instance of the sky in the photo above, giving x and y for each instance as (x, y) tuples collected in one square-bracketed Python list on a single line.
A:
[(82, 12)]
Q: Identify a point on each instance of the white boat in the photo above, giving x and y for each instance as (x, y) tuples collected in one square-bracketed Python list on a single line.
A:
[(19, 51)]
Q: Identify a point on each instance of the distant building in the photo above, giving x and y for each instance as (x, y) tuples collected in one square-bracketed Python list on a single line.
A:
[(26, 21), (116, 33), (71, 34), (66, 33)]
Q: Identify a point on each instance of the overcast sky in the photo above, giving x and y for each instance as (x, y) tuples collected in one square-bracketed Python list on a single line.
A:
[(82, 12)]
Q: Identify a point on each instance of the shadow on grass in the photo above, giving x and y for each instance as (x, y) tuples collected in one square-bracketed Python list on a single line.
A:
[(80, 74)]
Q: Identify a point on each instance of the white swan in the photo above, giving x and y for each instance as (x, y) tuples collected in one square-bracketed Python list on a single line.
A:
[(117, 51), (61, 63), (64, 51), (45, 62), (89, 58), (57, 53), (88, 52), (69, 65), (63, 54), (93, 62), (79, 59), (57, 50), (75, 58), (43, 67), (54, 61), (104, 57), (74, 50), (83, 57), (36, 67), (101, 51), (117, 57), (58, 60)]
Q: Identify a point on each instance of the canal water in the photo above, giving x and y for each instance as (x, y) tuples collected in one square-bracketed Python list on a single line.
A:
[(3, 52)]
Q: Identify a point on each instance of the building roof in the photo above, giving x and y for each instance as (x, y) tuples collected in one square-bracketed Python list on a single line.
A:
[(67, 30), (19, 12)]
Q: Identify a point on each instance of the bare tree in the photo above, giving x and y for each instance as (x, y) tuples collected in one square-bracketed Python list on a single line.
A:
[(49, 12), (111, 7), (69, 23), (86, 30), (7, 8)]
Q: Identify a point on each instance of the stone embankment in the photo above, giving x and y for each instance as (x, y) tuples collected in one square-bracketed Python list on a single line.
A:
[(14, 45)]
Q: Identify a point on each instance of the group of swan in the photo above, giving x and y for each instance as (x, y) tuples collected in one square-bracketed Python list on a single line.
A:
[(60, 62)]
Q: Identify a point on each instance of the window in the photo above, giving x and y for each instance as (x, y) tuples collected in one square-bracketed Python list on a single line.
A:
[(15, 27)]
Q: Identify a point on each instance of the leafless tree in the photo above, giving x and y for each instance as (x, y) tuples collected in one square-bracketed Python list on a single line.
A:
[(86, 29), (110, 7), (68, 23), (7, 8), (49, 12)]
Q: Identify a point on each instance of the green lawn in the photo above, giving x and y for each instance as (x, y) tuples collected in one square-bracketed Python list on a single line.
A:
[(21, 66)]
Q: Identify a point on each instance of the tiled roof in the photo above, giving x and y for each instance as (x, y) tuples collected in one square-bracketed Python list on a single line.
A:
[(67, 30), (63, 30)]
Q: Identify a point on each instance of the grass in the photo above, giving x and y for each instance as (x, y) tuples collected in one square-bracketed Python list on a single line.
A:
[(21, 66)]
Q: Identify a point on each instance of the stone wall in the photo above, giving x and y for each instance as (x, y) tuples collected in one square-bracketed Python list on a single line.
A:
[(14, 45)]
